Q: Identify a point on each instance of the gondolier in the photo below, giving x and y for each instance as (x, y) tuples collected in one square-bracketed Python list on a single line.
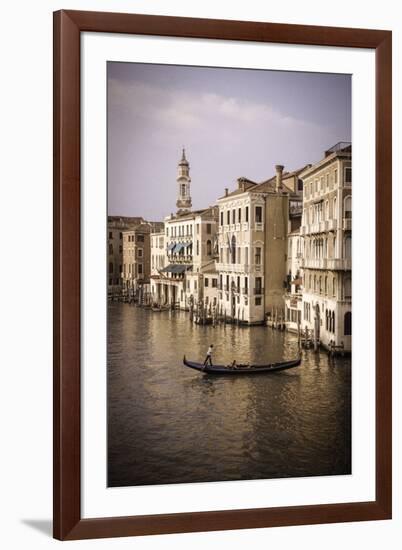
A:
[(208, 358)]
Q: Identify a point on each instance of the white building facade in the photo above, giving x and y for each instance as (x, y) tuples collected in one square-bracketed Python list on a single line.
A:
[(327, 263), (190, 250), (253, 227)]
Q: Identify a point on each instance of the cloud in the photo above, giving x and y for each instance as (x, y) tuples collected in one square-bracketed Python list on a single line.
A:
[(184, 110)]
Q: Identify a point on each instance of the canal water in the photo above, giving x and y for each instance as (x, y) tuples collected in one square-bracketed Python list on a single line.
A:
[(171, 424)]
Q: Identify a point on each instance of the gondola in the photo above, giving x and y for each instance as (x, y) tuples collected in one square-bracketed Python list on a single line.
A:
[(242, 369)]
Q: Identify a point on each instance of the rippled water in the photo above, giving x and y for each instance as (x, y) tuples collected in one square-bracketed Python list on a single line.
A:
[(170, 424)]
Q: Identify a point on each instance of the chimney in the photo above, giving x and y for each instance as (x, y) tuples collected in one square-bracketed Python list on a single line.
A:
[(226, 191), (279, 170)]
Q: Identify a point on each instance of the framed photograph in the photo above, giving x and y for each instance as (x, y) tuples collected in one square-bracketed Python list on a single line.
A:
[(210, 370)]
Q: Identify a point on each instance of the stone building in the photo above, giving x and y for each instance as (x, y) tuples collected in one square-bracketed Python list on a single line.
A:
[(136, 257), (327, 232), (115, 227), (253, 229), (190, 249)]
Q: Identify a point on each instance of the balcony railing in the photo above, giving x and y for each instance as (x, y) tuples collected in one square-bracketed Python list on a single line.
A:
[(347, 224), (327, 263), (259, 226), (258, 291)]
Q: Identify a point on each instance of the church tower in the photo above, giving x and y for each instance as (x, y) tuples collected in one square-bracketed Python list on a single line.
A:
[(183, 202)]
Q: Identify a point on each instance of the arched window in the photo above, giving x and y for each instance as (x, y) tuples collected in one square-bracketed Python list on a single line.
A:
[(348, 207), (348, 246), (347, 290), (347, 324), (183, 190), (233, 249), (209, 248)]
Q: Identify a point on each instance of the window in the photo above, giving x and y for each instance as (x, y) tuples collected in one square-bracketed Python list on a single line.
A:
[(258, 214), (110, 267), (348, 247), (299, 184), (110, 235), (233, 247), (347, 287), (139, 269), (348, 207), (209, 248), (214, 283), (121, 236), (246, 255), (228, 217), (233, 216), (245, 285), (258, 301), (258, 285), (335, 176), (220, 282), (246, 213), (258, 255), (110, 249), (206, 282), (239, 255), (239, 215), (348, 175), (221, 218), (334, 286), (198, 248), (334, 213), (140, 238), (209, 228), (347, 323), (198, 228), (140, 252)]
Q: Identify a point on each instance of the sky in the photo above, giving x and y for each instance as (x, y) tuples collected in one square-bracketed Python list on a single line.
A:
[(232, 122)]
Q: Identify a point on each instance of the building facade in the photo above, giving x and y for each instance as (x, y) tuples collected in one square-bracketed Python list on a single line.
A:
[(190, 239), (136, 257), (115, 227), (327, 262), (253, 228)]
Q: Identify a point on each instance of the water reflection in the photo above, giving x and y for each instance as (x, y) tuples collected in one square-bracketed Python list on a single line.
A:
[(170, 424)]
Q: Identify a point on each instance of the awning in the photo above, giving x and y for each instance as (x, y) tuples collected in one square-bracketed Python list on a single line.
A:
[(170, 246), (176, 268), (178, 248)]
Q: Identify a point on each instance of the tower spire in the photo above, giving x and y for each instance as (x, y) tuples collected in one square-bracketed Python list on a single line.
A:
[(183, 179)]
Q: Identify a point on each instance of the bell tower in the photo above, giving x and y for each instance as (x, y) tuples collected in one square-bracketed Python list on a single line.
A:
[(183, 179)]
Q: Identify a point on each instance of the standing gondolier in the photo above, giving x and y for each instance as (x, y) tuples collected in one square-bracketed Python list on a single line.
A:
[(208, 358)]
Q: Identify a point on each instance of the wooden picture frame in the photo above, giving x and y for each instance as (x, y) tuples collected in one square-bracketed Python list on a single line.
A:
[(68, 524)]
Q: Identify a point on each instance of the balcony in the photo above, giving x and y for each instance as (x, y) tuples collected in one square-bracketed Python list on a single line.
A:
[(347, 224), (235, 268), (314, 263), (341, 264), (258, 291), (259, 226), (334, 264)]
